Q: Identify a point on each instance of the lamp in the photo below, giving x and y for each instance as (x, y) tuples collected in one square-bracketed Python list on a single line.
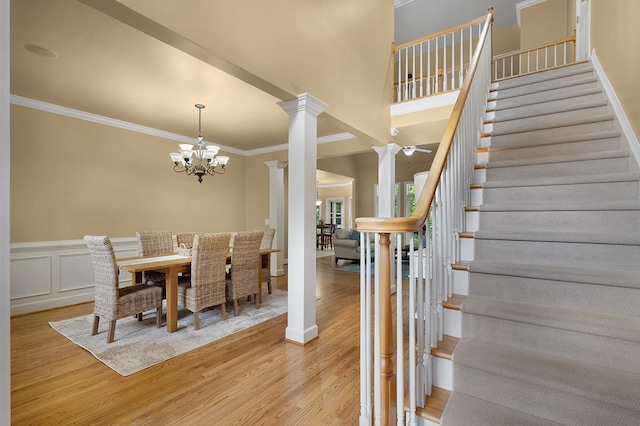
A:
[(206, 161)]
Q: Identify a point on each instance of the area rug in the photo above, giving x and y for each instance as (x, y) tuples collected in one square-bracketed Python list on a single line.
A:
[(140, 344), (354, 268)]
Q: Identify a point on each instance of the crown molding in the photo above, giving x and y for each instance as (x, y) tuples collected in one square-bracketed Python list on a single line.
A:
[(125, 125)]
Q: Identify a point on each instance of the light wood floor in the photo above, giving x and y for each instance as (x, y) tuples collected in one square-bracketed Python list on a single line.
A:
[(250, 378)]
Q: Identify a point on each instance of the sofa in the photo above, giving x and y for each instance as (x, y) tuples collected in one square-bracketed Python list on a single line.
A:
[(346, 244)]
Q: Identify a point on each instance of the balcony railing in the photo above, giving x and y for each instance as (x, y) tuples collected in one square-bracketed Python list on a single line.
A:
[(551, 55), (419, 308), (436, 63)]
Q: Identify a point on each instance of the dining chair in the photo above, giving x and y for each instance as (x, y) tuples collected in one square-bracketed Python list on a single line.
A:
[(112, 302), (327, 235), (154, 243), (206, 287), (267, 243), (186, 238), (242, 279)]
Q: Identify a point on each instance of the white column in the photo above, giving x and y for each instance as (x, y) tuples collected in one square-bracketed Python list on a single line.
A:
[(276, 213), (386, 178), (386, 194), (303, 135), (5, 337)]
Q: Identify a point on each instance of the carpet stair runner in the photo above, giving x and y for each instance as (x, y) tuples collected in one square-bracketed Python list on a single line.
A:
[(551, 324)]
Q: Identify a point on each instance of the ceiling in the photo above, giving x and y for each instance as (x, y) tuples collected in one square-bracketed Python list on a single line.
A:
[(92, 61)]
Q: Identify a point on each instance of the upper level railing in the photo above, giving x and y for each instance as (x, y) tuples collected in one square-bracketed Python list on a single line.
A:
[(419, 313), (436, 63), (555, 54)]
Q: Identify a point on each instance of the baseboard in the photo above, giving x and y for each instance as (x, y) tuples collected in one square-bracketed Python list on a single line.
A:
[(617, 108)]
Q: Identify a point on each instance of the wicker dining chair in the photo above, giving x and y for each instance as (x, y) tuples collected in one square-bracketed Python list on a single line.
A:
[(111, 301), (186, 238), (206, 288), (153, 243), (267, 243), (242, 279)]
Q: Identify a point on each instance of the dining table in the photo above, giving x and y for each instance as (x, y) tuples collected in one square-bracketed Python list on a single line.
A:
[(172, 265)]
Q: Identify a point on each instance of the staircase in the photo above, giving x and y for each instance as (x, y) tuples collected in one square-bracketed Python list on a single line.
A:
[(551, 322)]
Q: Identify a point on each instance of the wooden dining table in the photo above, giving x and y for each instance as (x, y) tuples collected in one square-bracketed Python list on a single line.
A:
[(172, 265)]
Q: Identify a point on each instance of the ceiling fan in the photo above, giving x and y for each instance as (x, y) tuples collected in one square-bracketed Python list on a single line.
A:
[(409, 150)]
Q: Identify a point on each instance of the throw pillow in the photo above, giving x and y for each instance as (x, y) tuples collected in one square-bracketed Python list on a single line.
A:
[(354, 234)]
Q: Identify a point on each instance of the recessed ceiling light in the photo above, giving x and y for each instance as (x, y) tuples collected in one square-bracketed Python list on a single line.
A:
[(41, 51)]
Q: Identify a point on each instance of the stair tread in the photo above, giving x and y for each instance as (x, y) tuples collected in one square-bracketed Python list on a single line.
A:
[(445, 347), (454, 301), (604, 277), (605, 134), (590, 381), (561, 180), (469, 410), (434, 404), (566, 205), (550, 108), (597, 323), (552, 236), (618, 153), (543, 123), (576, 69)]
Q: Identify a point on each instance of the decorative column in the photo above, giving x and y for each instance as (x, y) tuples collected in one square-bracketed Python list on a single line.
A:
[(303, 134), (276, 213), (386, 192)]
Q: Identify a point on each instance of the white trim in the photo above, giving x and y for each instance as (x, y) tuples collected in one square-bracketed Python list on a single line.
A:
[(448, 98), (5, 268), (95, 118), (283, 147), (51, 274), (629, 134), (336, 185), (526, 3)]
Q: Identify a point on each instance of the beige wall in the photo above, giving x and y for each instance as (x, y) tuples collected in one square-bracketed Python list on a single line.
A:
[(71, 177), (543, 22), (615, 37)]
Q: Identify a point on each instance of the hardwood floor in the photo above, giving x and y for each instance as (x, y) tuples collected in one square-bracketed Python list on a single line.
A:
[(253, 377)]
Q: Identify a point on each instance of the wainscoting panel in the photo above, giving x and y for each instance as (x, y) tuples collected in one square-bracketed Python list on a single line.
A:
[(50, 274)]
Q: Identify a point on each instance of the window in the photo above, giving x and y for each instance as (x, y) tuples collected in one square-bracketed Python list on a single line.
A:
[(396, 199), (335, 211)]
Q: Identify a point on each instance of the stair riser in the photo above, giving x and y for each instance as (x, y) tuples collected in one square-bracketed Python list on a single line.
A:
[(547, 121), (541, 97), (578, 147), (566, 344), (571, 295), (589, 192), (577, 72), (556, 405), (592, 92), (537, 86), (560, 169), (442, 373), (621, 222), (549, 107), (534, 137), (575, 254)]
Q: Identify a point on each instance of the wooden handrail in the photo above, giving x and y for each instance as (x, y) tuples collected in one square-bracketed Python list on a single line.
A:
[(531, 49), (419, 216), (439, 33)]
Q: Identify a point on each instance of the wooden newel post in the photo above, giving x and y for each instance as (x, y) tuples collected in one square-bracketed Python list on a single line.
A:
[(388, 391)]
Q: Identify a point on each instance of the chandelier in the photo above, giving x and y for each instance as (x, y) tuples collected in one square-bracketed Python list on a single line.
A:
[(201, 160)]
